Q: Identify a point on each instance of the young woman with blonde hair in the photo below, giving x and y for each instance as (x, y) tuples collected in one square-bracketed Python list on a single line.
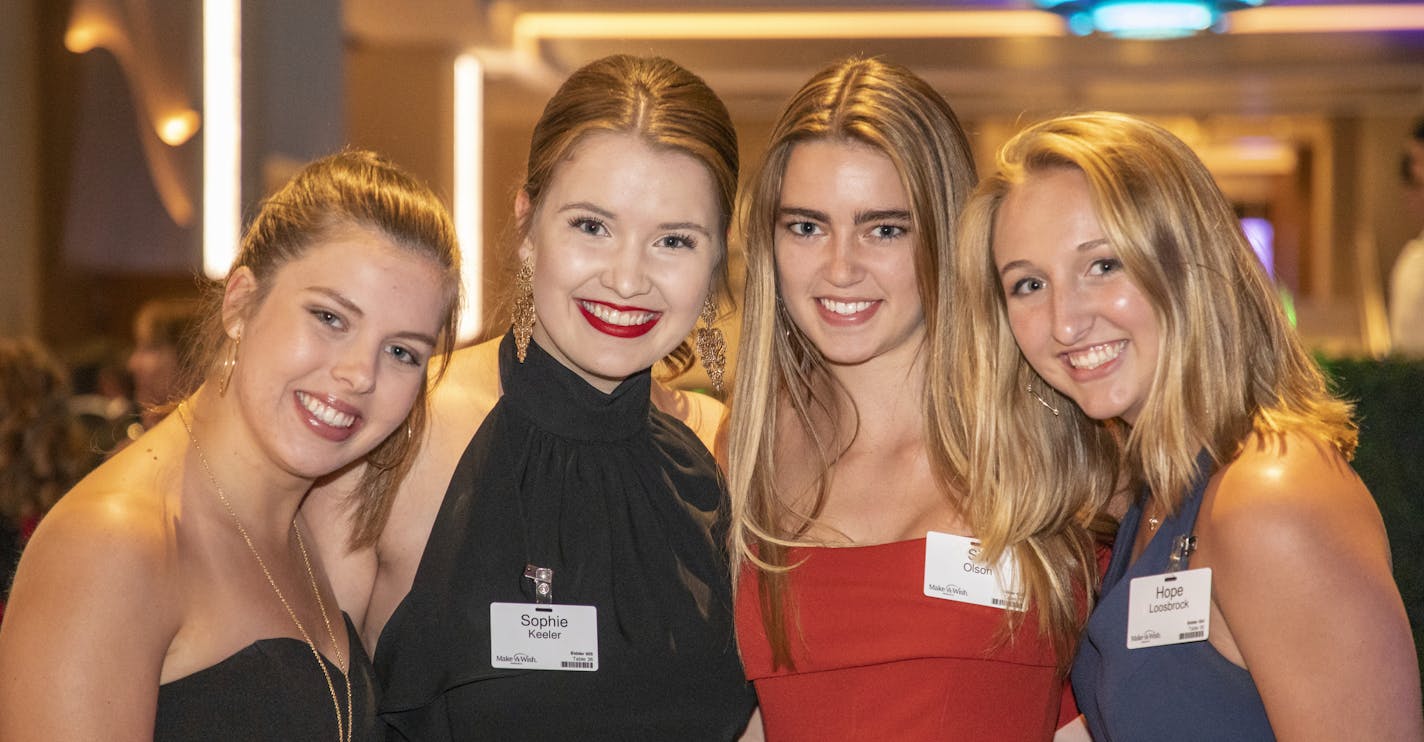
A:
[(852, 534), (1115, 319)]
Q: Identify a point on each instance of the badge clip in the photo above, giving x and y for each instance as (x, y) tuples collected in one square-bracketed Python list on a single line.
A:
[(543, 578), (1182, 550)]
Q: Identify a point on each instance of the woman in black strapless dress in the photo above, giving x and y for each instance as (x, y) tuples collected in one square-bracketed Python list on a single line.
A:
[(173, 593)]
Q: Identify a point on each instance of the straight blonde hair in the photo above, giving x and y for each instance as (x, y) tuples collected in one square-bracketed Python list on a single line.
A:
[(1229, 362), (886, 107)]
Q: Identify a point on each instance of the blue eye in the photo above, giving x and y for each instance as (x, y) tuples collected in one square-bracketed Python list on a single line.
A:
[(803, 229), (1104, 266), (1025, 286), (404, 355), (888, 231)]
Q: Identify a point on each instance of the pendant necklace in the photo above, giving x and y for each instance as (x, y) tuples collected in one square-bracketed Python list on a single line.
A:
[(343, 726)]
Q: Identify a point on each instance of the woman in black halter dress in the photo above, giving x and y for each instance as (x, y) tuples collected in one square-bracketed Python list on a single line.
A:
[(549, 486)]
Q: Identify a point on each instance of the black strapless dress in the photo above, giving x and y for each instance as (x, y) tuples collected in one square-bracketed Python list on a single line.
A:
[(270, 690), (627, 506)]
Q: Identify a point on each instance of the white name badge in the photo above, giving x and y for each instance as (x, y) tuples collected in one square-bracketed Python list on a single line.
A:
[(954, 570), (536, 636), (1170, 608)]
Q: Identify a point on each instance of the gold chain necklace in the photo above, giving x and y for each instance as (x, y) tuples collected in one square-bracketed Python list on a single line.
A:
[(343, 730)]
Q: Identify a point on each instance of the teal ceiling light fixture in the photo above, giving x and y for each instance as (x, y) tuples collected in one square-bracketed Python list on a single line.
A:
[(1143, 19)]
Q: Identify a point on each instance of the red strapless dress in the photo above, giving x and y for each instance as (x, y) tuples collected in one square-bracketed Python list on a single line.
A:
[(876, 659)]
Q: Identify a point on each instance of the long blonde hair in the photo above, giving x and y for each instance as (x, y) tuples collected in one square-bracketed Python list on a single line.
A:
[(1229, 363), (889, 108)]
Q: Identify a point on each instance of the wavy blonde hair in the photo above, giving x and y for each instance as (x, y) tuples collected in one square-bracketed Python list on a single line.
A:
[(886, 107), (1229, 363)]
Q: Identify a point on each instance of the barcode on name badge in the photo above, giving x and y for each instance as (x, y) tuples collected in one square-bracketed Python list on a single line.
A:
[(577, 665), (1191, 635)]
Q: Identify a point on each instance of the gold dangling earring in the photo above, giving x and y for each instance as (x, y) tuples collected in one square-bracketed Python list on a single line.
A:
[(229, 364), (523, 309), (1029, 388), (711, 345)]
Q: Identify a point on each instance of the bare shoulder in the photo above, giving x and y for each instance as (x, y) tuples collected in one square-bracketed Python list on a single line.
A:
[(1302, 487), (700, 412), (91, 615), (110, 531), (1302, 581), (459, 404)]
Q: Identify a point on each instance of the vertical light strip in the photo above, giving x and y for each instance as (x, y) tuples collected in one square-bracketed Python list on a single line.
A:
[(222, 133), (469, 187)]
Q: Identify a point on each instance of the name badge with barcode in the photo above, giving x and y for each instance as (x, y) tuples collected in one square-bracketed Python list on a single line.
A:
[(538, 636), (954, 570), (1170, 608)]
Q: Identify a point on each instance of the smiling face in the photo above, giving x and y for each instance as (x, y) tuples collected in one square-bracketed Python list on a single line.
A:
[(624, 243), (1078, 317), (845, 252), (333, 354)]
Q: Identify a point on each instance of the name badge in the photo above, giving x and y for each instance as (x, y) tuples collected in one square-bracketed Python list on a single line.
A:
[(955, 570), (536, 636), (1170, 608)]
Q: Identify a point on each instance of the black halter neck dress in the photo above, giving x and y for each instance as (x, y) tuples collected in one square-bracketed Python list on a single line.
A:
[(627, 506)]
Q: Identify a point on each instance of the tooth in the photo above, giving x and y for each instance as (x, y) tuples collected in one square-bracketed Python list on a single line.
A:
[(326, 413)]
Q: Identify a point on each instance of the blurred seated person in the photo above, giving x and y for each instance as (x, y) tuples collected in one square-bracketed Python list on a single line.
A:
[(101, 393), (42, 451), (160, 330), (1406, 279)]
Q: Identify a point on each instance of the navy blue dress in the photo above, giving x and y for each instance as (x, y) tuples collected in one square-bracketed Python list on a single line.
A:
[(1186, 692)]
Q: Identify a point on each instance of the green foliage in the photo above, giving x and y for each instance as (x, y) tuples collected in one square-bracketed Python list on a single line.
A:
[(1389, 405)]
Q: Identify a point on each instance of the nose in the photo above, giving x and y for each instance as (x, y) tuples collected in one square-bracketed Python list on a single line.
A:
[(627, 271), (356, 368), (1072, 314), (844, 268)]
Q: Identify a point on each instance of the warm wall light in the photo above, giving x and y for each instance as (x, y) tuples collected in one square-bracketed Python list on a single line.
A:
[(158, 88), (530, 28), (222, 134), (469, 187), (1328, 18), (177, 128)]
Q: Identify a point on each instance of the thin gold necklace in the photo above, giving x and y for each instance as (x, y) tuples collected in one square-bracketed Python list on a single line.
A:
[(343, 731)]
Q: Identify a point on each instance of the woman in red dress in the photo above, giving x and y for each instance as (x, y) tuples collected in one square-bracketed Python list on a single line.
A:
[(875, 601)]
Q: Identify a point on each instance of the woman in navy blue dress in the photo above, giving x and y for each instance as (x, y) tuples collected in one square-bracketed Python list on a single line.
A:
[(1118, 328)]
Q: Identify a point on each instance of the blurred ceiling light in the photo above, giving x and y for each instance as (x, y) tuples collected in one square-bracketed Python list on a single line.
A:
[(1143, 19), (530, 28), (1328, 18), (469, 188), (222, 134)]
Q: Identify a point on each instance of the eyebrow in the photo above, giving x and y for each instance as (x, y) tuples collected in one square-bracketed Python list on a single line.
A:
[(861, 217), (1081, 247), (351, 307), (606, 214)]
